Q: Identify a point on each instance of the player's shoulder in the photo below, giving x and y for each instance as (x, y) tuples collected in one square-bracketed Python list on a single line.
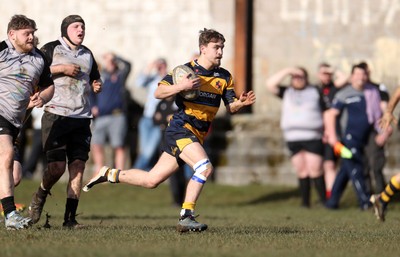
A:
[(223, 71), (40, 53), (50, 45), (220, 72), (86, 48), (190, 65)]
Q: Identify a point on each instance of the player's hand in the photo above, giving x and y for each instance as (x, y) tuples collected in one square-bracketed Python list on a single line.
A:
[(96, 85), (36, 101), (71, 70), (248, 98), (189, 83), (386, 120)]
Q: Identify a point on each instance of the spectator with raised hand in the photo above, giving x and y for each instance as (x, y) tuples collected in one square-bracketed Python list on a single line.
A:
[(302, 125)]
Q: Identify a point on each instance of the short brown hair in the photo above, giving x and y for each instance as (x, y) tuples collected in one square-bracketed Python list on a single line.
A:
[(210, 35), (19, 21)]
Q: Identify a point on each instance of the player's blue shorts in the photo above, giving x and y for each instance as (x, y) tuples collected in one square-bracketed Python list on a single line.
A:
[(176, 137)]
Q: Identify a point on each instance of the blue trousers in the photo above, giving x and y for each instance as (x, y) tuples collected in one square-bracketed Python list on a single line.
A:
[(149, 142), (350, 169)]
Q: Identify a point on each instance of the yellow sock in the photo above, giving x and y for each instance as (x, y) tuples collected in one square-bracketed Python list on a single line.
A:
[(187, 209), (188, 206)]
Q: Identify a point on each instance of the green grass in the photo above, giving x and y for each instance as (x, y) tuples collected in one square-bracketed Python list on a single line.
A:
[(257, 220)]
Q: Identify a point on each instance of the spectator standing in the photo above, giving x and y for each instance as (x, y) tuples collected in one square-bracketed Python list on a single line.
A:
[(302, 124), (375, 150), (329, 88), (109, 111), (149, 133), (356, 110)]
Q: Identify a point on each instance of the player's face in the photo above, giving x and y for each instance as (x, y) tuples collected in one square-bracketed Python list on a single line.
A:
[(76, 32), (214, 52), (22, 39)]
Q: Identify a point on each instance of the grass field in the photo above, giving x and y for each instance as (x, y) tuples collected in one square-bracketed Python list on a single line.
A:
[(257, 220)]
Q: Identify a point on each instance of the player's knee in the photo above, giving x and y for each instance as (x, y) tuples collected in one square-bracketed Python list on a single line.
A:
[(56, 155), (202, 170)]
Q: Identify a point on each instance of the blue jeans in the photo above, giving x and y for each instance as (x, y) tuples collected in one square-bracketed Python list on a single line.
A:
[(149, 141)]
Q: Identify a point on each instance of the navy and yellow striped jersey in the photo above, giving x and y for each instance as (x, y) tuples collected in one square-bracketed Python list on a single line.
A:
[(197, 114)]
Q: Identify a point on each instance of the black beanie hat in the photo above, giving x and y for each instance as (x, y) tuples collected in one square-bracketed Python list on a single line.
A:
[(67, 21)]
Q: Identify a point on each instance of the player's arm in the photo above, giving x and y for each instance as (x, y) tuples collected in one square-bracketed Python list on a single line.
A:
[(42, 97), (65, 69)]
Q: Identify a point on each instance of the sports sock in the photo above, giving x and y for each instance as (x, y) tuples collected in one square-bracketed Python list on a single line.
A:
[(8, 205), (113, 175), (391, 188), (319, 184), (304, 184), (187, 208), (70, 209)]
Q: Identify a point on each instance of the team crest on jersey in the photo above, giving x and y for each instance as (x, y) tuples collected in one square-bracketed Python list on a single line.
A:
[(218, 84)]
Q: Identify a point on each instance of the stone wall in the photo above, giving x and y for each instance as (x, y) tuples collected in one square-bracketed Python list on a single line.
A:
[(286, 33)]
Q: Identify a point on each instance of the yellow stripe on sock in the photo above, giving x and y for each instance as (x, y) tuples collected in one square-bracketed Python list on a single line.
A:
[(188, 206), (385, 197), (389, 191)]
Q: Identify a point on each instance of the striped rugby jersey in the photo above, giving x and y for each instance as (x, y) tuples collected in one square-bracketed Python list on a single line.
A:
[(197, 114), (71, 94), (20, 74)]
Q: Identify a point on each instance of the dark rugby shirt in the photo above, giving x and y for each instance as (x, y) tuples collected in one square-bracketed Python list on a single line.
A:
[(19, 76), (71, 94), (197, 114)]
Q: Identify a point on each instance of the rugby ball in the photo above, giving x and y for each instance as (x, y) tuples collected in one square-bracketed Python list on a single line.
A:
[(180, 72)]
